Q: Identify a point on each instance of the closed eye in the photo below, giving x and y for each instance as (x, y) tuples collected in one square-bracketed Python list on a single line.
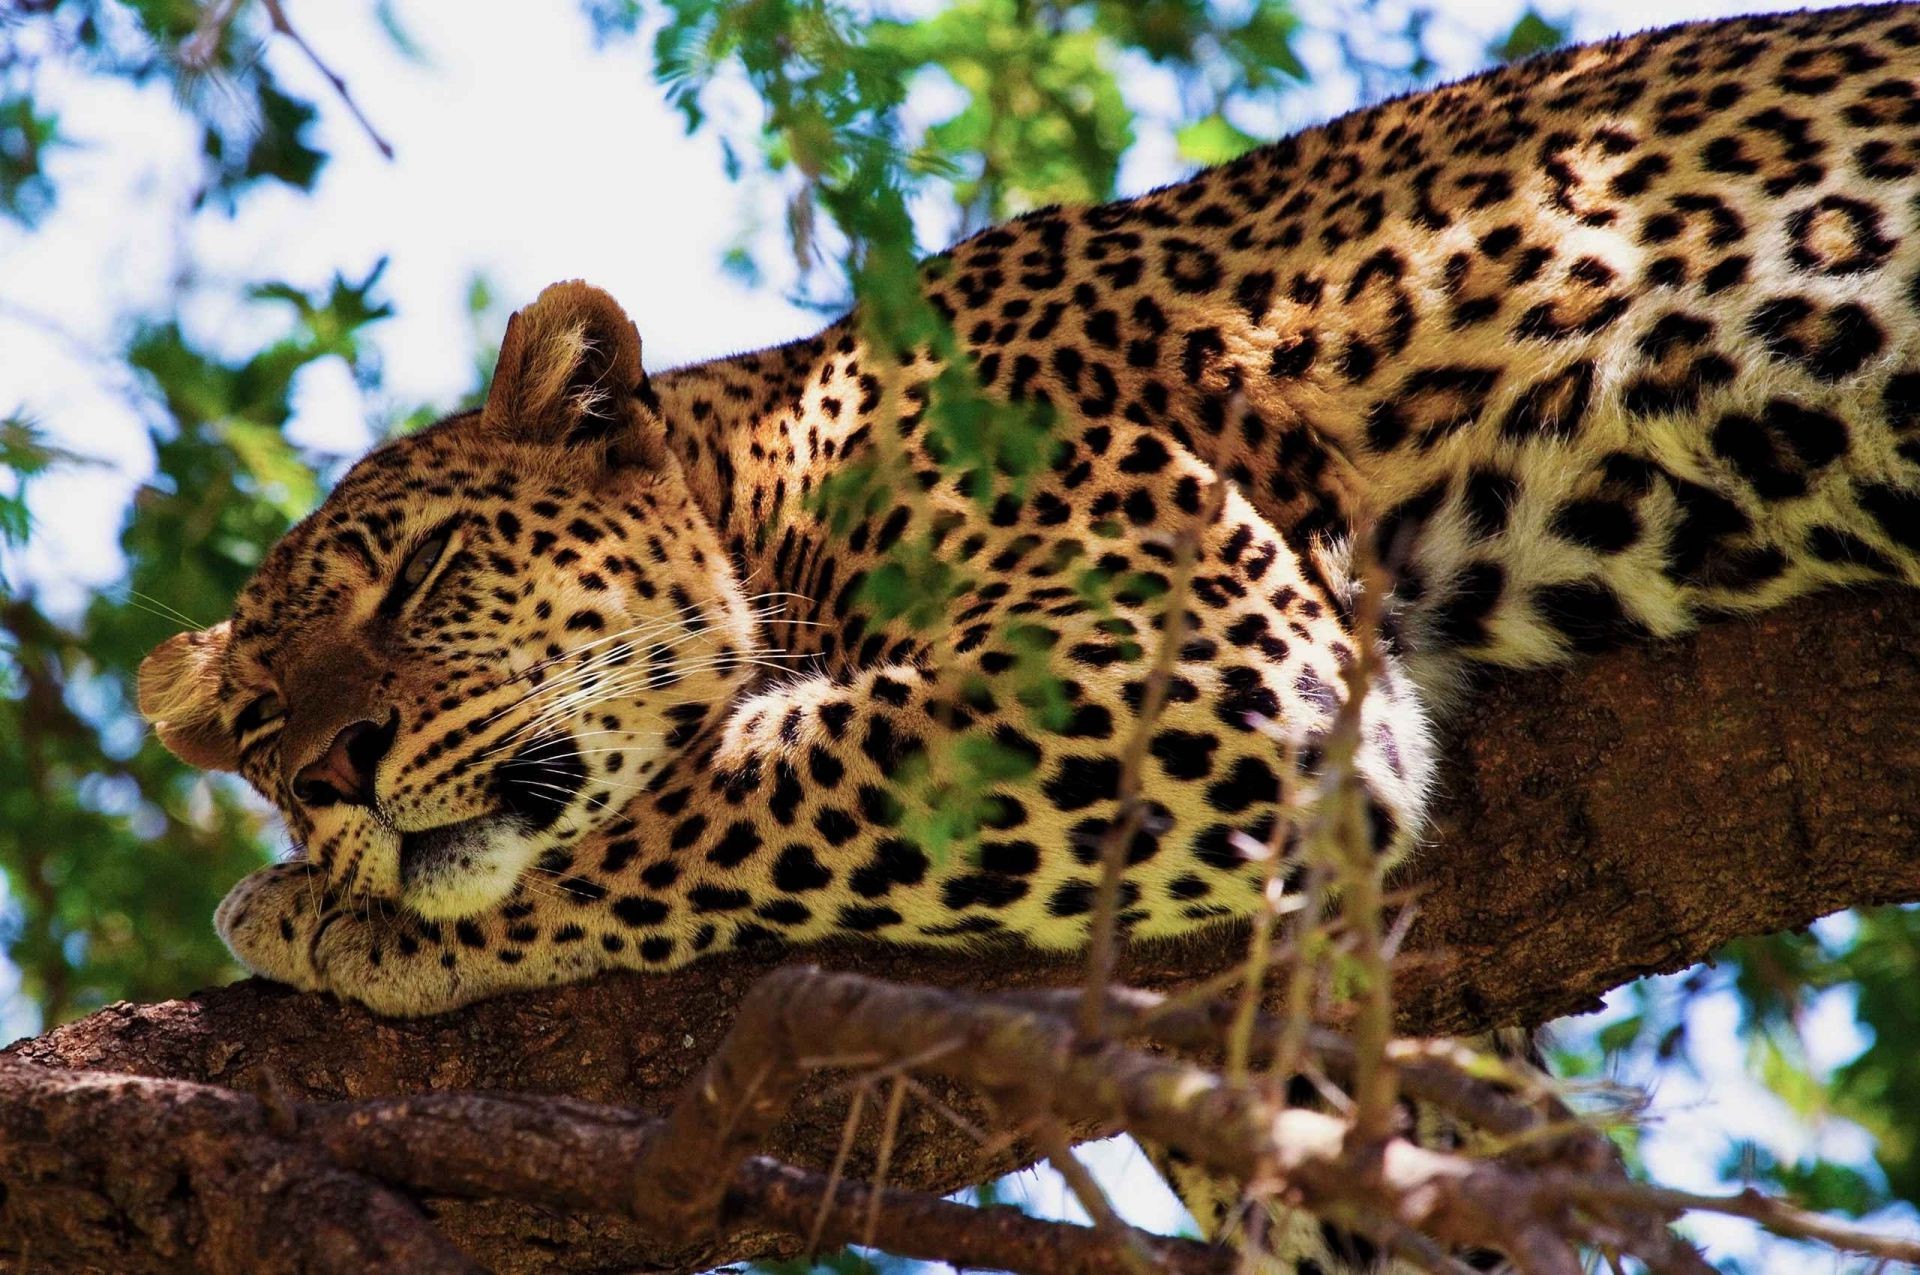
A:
[(261, 712), (419, 567)]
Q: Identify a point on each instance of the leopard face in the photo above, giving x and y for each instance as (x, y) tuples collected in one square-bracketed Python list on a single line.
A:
[(482, 644)]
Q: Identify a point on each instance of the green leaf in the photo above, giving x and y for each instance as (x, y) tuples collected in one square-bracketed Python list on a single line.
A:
[(1213, 140), (1530, 35)]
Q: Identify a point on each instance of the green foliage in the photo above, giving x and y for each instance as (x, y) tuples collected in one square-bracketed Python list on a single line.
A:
[(1530, 35), (25, 454), (26, 135), (115, 853)]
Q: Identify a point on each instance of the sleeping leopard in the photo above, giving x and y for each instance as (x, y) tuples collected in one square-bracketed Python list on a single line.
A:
[(1597, 346)]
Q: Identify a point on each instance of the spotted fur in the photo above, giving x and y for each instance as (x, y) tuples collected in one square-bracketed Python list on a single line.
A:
[(1599, 345)]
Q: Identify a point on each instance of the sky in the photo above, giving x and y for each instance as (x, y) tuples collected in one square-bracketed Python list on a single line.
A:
[(526, 155)]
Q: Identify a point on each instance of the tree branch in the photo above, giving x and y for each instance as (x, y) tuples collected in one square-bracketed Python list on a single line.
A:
[(1622, 818), (226, 1182)]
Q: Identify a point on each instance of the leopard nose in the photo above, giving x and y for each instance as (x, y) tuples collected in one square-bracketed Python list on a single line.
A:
[(345, 772)]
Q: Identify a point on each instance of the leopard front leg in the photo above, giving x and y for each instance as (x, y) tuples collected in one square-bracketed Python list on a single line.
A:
[(283, 923)]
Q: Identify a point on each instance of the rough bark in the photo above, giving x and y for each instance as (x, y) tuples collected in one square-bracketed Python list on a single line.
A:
[(1621, 818)]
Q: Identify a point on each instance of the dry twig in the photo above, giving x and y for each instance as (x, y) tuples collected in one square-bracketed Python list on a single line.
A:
[(1117, 841)]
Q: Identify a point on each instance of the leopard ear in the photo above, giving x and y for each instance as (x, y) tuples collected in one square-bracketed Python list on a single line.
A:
[(179, 690), (569, 374)]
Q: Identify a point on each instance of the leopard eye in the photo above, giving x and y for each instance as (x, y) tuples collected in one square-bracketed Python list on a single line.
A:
[(260, 712), (418, 569)]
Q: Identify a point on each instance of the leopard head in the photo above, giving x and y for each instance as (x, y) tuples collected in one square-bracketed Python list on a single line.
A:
[(484, 642)]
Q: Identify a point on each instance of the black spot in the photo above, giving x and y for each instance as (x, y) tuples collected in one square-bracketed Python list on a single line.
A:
[(1461, 620), (539, 782), (1604, 526), (583, 889), (1830, 344), (1741, 569), (865, 919), (1004, 812), (1777, 453), (836, 825), (1487, 498), (1183, 754), (824, 767), (1243, 694), (735, 846), (895, 862), (1251, 780), (1588, 614), (1838, 236), (715, 898), (787, 794), (1012, 858), (1897, 511), (797, 871), (889, 749), (835, 717), (1214, 847), (1075, 898), (1431, 404), (1707, 520), (1397, 534), (1089, 721), (1149, 456), (635, 910), (618, 855), (688, 831), (880, 807), (752, 935), (1725, 274), (1553, 407), (895, 693), (1017, 749), (1832, 544), (1081, 781), (1189, 886), (1088, 838), (979, 888)]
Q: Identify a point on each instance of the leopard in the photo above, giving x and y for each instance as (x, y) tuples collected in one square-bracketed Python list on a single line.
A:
[(1585, 350)]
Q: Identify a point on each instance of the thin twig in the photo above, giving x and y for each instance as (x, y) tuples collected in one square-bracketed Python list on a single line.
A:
[(1361, 863), (834, 1172), (1772, 1214), (889, 1130), (1260, 942), (1058, 1149), (1117, 840), (277, 14)]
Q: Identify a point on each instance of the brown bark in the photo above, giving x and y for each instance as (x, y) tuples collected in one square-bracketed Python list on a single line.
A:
[(1621, 818)]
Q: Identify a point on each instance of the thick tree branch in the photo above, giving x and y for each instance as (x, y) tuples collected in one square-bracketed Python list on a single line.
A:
[(228, 1180), (1622, 818)]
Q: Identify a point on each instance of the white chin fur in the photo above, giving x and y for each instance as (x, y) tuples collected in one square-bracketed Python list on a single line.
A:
[(469, 874)]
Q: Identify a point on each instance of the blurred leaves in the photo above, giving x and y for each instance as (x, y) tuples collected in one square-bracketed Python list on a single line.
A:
[(26, 135), (114, 853), (25, 454), (1213, 140), (1530, 35)]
